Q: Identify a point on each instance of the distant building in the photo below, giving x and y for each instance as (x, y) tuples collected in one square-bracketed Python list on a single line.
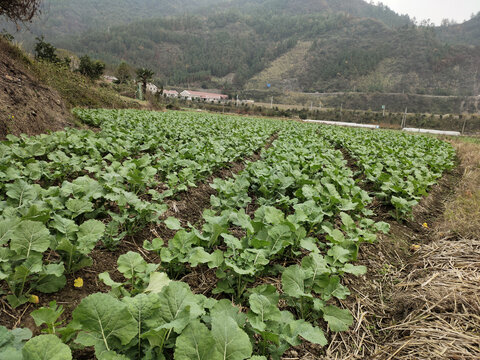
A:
[(200, 95), (109, 79), (152, 88), (170, 93)]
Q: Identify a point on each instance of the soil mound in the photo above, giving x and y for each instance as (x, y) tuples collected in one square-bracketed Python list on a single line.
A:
[(26, 105)]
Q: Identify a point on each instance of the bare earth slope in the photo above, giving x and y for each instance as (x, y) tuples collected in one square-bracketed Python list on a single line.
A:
[(26, 105)]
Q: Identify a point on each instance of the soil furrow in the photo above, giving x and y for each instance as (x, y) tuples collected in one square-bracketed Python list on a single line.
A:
[(188, 207)]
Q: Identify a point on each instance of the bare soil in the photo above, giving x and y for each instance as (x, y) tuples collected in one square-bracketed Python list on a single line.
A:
[(26, 105)]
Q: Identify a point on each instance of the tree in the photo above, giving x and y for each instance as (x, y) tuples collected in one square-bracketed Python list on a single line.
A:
[(123, 73), (45, 51), (91, 69), (19, 10), (144, 75)]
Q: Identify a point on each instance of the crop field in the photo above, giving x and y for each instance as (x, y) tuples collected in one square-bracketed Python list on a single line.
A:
[(194, 236)]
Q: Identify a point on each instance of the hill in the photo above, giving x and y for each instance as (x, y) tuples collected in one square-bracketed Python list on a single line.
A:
[(37, 96), (467, 33), (323, 52), (23, 99), (72, 17), (299, 45), (60, 17)]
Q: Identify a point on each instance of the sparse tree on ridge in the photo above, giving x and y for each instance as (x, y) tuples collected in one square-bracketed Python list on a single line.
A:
[(45, 51), (123, 73), (19, 10), (92, 69)]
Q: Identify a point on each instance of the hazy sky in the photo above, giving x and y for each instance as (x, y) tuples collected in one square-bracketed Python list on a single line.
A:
[(435, 10)]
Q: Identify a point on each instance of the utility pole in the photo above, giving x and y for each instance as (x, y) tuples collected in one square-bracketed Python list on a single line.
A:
[(404, 120), (311, 105), (271, 103), (464, 124)]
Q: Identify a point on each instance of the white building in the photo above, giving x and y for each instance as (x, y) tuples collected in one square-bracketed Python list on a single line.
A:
[(170, 93), (152, 88), (109, 79), (200, 95)]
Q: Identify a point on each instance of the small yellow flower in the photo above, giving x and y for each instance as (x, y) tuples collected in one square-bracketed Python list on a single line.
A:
[(425, 225), (78, 282), (415, 247), (34, 299)]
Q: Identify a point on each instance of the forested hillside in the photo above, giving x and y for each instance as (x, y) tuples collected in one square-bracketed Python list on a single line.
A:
[(345, 53), (467, 33), (60, 17), (300, 45), (68, 17)]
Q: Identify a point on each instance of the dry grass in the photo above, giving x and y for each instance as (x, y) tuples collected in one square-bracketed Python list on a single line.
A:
[(442, 289), (440, 295), (425, 305), (462, 216)]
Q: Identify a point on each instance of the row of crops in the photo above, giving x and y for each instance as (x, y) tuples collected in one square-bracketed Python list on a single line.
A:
[(279, 236)]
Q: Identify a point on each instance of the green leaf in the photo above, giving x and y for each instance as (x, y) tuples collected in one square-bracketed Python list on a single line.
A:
[(178, 306), (142, 307), (332, 287), (264, 303), (21, 191), (340, 254), (273, 215), (173, 223), (337, 319), (50, 284), (87, 187), (383, 227), (28, 237), (230, 341), (79, 206), (6, 229), (112, 355), (354, 270), (311, 333), (216, 259), (224, 308), (316, 265), (89, 233), (309, 244), (196, 342), (347, 221), (130, 264), (12, 342), (46, 315), (293, 281), (105, 322), (46, 347), (157, 282), (199, 256), (65, 226)]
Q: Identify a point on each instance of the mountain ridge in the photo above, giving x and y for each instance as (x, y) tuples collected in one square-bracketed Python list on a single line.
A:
[(352, 46)]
